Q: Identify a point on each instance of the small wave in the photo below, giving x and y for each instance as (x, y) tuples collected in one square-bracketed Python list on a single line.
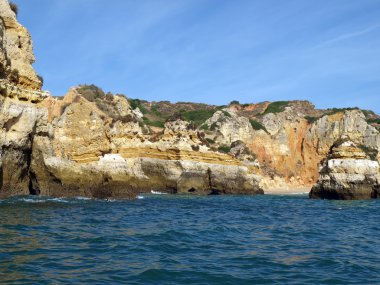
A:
[(110, 200), (82, 198), (140, 197), (157, 192), (29, 200), (61, 200)]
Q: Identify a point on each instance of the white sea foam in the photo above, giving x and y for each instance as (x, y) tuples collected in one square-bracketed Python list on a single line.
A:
[(157, 192), (28, 200), (140, 197), (61, 200), (82, 198)]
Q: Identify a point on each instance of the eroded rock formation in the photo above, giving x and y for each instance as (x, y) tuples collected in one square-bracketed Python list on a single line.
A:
[(348, 173), (89, 143), (102, 149)]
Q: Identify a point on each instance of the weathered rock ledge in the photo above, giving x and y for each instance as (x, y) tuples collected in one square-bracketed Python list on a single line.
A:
[(347, 174)]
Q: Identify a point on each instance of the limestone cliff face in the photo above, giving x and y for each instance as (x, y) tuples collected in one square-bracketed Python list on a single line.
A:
[(348, 174), (227, 127), (104, 145), (101, 148), (288, 146), (16, 51), (21, 118)]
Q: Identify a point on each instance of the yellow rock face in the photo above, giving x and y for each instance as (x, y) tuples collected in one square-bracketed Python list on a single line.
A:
[(16, 51)]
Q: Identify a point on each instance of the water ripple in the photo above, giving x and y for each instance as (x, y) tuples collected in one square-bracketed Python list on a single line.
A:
[(165, 239)]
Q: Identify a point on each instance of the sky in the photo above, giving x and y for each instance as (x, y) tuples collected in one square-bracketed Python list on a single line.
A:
[(211, 51)]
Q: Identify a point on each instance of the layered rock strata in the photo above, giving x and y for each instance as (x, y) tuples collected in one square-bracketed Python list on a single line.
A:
[(103, 145), (93, 154), (347, 174)]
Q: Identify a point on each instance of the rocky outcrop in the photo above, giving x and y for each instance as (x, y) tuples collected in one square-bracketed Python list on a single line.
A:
[(101, 148), (103, 145), (21, 118), (348, 173), (289, 145), (226, 127), (16, 51)]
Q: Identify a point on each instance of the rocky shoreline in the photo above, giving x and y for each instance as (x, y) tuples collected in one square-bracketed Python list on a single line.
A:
[(103, 145)]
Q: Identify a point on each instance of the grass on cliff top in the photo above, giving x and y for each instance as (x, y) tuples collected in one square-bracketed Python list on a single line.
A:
[(332, 111), (158, 124), (136, 103), (197, 116), (91, 92), (276, 107)]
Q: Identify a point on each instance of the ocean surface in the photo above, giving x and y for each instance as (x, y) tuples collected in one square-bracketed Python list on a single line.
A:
[(165, 239)]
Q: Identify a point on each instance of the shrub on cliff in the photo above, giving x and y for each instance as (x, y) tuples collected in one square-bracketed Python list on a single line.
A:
[(91, 92), (226, 114), (197, 116), (373, 121), (157, 124), (276, 107), (371, 152), (41, 79), (310, 119), (257, 125), (204, 127), (224, 148), (332, 111), (14, 7), (137, 103)]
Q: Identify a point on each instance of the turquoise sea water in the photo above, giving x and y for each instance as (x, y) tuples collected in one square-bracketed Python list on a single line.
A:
[(164, 239)]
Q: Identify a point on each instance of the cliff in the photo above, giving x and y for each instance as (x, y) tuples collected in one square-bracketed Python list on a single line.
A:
[(21, 117), (348, 173), (92, 143)]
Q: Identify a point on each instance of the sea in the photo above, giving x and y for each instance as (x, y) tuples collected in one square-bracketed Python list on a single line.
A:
[(173, 239)]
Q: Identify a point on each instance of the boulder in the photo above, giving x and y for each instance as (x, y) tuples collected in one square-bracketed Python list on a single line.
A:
[(347, 174)]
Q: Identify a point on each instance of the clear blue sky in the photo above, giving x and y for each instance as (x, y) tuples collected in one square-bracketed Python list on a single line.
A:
[(211, 51)]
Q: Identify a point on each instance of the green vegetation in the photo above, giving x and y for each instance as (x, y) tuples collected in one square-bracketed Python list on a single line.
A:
[(257, 125), (210, 141), (197, 116), (157, 124), (136, 103), (41, 79), (213, 127), (204, 127), (224, 148), (276, 107), (371, 152), (91, 92), (154, 110), (14, 7), (310, 119), (368, 113), (221, 107), (226, 114), (373, 121), (333, 111), (234, 102)]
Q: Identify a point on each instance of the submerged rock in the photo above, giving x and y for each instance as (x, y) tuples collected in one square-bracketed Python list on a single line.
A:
[(347, 174)]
